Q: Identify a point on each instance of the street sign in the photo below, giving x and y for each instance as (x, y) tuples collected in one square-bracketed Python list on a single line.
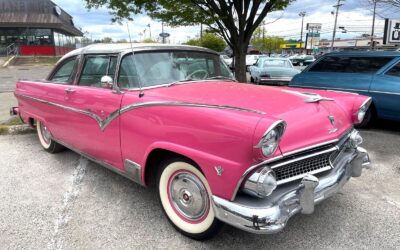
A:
[(392, 32), (164, 35), (314, 26)]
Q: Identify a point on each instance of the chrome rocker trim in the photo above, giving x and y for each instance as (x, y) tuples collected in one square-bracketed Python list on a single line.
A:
[(103, 123), (270, 215)]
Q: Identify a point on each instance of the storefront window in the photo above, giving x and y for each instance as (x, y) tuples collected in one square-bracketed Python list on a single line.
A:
[(26, 36)]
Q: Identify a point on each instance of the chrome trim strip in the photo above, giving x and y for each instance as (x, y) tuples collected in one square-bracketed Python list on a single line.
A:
[(383, 92), (327, 88), (134, 170), (129, 175), (103, 123)]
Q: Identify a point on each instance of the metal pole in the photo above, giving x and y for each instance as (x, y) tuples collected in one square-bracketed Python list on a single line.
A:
[(373, 26), (201, 32), (162, 31), (302, 14), (334, 27)]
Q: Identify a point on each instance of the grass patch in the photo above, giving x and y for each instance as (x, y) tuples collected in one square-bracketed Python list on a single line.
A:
[(13, 121), (3, 129)]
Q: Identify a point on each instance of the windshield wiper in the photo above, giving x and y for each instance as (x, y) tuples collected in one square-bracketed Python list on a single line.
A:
[(220, 77)]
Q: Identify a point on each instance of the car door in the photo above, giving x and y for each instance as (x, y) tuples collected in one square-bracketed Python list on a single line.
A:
[(93, 107), (55, 114), (385, 91)]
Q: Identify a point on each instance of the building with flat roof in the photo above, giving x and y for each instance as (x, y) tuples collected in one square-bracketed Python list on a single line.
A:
[(36, 27)]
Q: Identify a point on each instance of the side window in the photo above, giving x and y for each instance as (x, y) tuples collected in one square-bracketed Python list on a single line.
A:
[(128, 77), (341, 64), (367, 64), (95, 67), (65, 72), (394, 71), (331, 64)]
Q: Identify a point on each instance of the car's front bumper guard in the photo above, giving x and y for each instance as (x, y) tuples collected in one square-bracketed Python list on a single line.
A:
[(270, 215)]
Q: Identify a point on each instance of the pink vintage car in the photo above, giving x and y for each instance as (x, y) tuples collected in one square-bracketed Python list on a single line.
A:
[(217, 150)]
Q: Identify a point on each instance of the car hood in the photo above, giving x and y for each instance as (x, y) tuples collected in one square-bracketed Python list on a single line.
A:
[(307, 123), (280, 71)]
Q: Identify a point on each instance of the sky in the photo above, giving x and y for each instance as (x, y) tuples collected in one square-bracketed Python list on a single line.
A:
[(355, 16)]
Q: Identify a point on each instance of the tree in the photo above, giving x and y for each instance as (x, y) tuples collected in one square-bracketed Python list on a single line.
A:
[(148, 40), (234, 20), (208, 40), (268, 44), (123, 40), (107, 40)]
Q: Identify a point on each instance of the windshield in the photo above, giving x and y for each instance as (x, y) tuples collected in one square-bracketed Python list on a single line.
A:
[(276, 63), (158, 68)]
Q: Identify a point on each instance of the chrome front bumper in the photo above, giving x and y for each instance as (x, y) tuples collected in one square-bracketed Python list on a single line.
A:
[(270, 215)]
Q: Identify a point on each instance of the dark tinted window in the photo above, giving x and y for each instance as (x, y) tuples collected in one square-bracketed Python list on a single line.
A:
[(95, 68), (350, 64), (395, 71), (65, 72)]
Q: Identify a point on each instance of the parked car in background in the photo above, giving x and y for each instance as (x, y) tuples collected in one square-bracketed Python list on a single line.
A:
[(302, 60), (372, 73), (228, 60), (216, 150), (251, 60), (272, 71)]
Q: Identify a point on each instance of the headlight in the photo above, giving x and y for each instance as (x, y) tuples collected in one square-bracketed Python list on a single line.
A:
[(261, 183), (270, 140), (360, 114), (355, 139)]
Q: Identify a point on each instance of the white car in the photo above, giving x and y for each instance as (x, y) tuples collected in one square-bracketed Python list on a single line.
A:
[(228, 60), (272, 71), (251, 60)]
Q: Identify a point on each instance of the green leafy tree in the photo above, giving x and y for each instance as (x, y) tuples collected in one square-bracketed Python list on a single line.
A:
[(208, 40), (107, 40), (235, 21), (148, 40), (266, 44)]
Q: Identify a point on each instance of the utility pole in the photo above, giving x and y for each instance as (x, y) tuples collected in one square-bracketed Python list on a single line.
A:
[(302, 14), (201, 32), (162, 31), (373, 26), (148, 25), (334, 27)]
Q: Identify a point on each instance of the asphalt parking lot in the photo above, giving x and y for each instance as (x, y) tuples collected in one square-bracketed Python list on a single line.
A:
[(63, 201)]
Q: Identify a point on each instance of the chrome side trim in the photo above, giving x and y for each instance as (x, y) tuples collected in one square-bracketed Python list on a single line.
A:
[(383, 92), (133, 170), (326, 88), (103, 123), (116, 170)]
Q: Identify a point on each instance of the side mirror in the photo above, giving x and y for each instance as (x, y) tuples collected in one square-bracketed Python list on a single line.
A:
[(107, 82)]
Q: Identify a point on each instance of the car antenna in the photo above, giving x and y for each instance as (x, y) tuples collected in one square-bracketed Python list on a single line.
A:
[(141, 93)]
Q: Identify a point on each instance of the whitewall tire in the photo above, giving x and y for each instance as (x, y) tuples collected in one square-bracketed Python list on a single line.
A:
[(46, 140), (185, 197)]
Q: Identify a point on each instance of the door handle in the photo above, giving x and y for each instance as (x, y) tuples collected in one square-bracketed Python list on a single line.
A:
[(70, 90)]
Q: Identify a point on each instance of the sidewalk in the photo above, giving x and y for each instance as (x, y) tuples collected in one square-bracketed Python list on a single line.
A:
[(7, 100)]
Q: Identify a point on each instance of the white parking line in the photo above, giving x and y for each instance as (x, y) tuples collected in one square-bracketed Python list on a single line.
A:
[(69, 199)]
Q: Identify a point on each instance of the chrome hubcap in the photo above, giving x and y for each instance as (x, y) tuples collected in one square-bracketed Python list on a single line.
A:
[(45, 133), (189, 196)]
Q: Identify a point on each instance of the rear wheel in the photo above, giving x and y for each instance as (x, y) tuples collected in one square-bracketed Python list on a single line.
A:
[(185, 197), (46, 140)]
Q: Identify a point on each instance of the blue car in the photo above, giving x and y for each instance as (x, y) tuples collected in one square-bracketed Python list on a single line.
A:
[(371, 73)]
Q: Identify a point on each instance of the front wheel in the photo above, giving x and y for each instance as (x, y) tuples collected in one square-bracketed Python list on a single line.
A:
[(46, 140), (185, 197)]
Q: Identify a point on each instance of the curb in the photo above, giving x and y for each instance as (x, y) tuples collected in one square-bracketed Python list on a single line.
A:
[(16, 129), (8, 62)]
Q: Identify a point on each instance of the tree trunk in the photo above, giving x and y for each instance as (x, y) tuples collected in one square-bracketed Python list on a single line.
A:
[(240, 62)]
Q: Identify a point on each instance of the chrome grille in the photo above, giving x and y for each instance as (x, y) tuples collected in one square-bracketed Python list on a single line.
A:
[(313, 164), (313, 161)]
